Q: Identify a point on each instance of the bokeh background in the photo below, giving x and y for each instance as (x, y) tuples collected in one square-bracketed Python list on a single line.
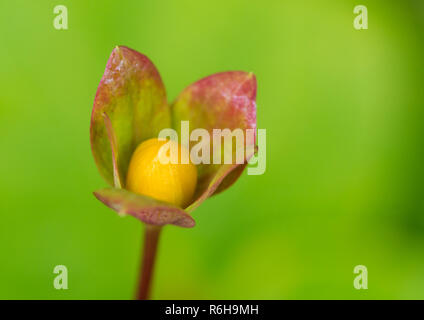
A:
[(344, 115)]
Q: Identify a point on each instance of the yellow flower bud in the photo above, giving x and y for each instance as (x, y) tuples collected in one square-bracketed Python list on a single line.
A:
[(170, 182)]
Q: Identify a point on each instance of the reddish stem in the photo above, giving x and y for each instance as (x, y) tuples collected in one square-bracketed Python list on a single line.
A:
[(151, 239)]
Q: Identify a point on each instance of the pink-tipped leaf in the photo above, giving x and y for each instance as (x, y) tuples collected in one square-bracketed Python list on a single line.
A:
[(144, 208), (131, 98), (224, 100)]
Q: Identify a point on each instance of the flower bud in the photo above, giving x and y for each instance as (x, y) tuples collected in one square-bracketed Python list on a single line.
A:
[(151, 175)]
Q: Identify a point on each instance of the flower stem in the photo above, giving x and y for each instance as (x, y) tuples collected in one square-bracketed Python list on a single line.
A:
[(151, 238)]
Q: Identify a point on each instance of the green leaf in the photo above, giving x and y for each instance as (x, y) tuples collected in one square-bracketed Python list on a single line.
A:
[(144, 208), (132, 97)]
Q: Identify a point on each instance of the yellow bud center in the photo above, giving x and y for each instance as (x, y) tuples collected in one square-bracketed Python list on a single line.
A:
[(149, 175)]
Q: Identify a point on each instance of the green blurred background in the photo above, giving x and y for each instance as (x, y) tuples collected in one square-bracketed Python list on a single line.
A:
[(344, 115)]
